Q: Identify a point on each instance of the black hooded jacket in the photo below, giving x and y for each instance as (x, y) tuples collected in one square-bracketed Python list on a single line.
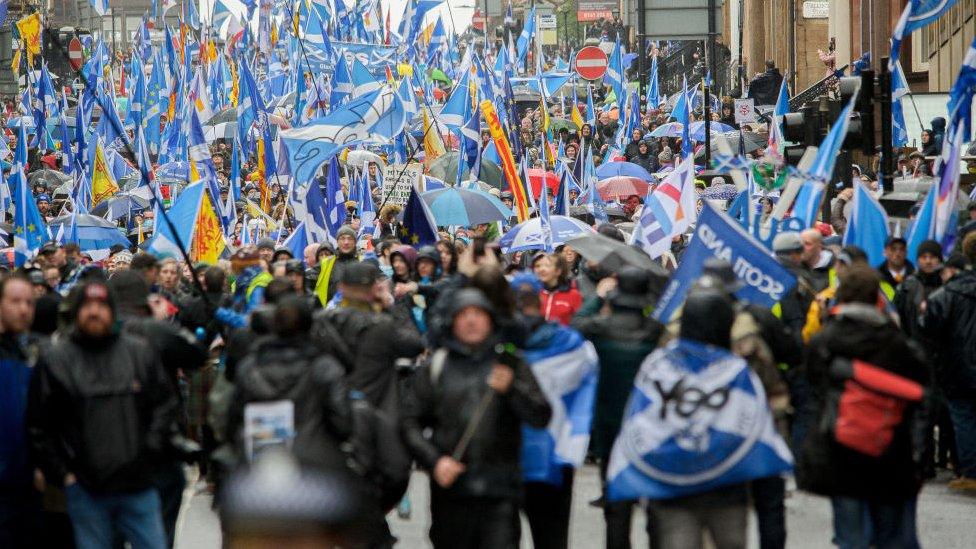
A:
[(950, 321), (101, 409)]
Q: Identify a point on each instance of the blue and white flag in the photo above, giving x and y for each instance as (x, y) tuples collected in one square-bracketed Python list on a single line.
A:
[(917, 14), (528, 29), (373, 118), (922, 227), (961, 95), (899, 88), (806, 205), (868, 226), (317, 220), (544, 224), (30, 231), (765, 281), (697, 420), (100, 6), (335, 200), (654, 88), (565, 364)]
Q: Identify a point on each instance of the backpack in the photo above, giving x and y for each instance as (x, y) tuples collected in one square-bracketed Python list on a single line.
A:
[(870, 406)]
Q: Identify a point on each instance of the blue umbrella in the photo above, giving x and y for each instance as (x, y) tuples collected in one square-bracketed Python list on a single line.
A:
[(90, 232), (697, 129), (628, 169), (464, 207), (671, 129), (528, 235)]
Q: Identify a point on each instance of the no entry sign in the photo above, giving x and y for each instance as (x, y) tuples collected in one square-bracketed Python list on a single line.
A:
[(591, 63), (75, 55)]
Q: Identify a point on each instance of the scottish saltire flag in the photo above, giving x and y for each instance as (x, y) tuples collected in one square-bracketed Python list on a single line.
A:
[(458, 104), (30, 231), (566, 366), (764, 280), (961, 94), (917, 14), (590, 109), (899, 88), (100, 6), (362, 81), (545, 226), (615, 76), (667, 448), (418, 227), (806, 205), (561, 207), (342, 86), (868, 226), (317, 220), (669, 210), (822, 168), (470, 146), (922, 228), (297, 241), (590, 197), (335, 200), (780, 110), (946, 210), (409, 98), (376, 118), (528, 29), (654, 87)]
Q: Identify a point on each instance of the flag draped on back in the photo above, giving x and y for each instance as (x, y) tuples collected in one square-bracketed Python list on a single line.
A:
[(566, 366), (868, 226), (667, 449)]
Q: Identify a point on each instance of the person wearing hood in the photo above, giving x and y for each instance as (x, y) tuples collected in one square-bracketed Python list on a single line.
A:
[(868, 468), (139, 315), (472, 397), (100, 413), (548, 476), (331, 268), (622, 336), (938, 132), (560, 298), (949, 319)]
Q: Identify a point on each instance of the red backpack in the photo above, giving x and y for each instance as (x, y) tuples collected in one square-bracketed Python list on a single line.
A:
[(871, 405)]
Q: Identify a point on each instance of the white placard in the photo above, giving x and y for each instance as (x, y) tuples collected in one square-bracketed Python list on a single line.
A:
[(547, 20), (268, 425), (392, 176), (745, 111), (816, 10)]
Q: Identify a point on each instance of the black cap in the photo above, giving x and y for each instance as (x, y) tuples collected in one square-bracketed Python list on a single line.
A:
[(633, 289), (896, 240), (361, 274)]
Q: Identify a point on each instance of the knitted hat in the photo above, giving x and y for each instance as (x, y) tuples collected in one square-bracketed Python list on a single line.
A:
[(930, 247), (345, 230)]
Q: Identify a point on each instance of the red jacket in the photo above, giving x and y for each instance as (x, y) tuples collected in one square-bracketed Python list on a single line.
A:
[(561, 304)]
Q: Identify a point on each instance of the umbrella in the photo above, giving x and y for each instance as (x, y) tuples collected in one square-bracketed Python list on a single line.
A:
[(558, 124), (671, 129), (528, 234), (750, 140), (48, 178), (464, 207), (537, 176), (722, 191), (622, 186), (629, 169), (123, 203), (697, 129), (612, 255), (438, 75), (360, 157), (445, 167), (91, 232)]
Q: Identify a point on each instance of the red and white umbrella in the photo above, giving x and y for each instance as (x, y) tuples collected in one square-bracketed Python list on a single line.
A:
[(622, 186), (536, 178)]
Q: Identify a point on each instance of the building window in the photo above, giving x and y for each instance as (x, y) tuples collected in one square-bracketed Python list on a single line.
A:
[(921, 49)]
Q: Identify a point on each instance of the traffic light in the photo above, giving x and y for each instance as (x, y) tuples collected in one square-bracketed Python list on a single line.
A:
[(803, 128), (860, 132)]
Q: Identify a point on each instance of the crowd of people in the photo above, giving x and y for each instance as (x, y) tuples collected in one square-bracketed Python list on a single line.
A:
[(116, 373)]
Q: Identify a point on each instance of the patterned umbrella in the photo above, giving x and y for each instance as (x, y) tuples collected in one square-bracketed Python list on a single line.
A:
[(622, 186), (528, 235), (537, 176), (464, 207)]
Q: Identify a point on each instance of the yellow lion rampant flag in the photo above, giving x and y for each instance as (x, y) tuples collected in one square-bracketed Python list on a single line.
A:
[(103, 183), (208, 237), (29, 28)]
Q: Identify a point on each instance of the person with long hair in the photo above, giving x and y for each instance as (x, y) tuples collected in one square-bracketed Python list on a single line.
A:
[(560, 298)]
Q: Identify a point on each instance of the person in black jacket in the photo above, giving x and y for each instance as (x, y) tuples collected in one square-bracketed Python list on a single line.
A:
[(764, 88), (474, 398), (860, 485), (100, 412), (949, 319)]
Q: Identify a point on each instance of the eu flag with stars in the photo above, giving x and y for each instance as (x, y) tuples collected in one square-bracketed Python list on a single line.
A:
[(417, 228)]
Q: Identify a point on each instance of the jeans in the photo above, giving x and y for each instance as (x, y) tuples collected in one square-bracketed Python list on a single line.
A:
[(683, 527), (963, 413), (768, 495), (170, 481), (860, 524), (137, 516)]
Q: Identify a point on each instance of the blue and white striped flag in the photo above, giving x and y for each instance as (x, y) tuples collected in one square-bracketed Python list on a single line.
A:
[(565, 364), (917, 14), (899, 88), (100, 7), (697, 420)]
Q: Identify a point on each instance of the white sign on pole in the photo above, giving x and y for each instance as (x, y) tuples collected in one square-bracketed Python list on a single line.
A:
[(745, 111), (547, 20), (396, 188)]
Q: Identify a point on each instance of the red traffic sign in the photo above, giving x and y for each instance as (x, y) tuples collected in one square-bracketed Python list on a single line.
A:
[(75, 55), (478, 20), (591, 63)]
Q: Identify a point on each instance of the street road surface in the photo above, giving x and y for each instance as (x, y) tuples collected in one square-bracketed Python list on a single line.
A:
[(945, 519)]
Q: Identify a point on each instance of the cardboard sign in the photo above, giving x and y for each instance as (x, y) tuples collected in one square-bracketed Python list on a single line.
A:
[(397, 180), (745, 111)]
